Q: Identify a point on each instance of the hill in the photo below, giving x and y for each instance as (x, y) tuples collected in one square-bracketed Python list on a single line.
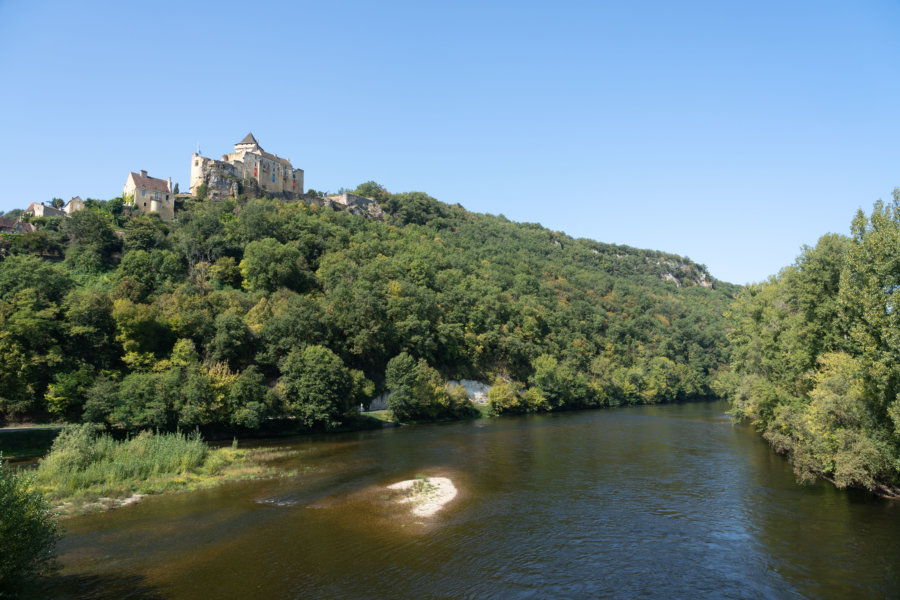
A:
[(248, 310)]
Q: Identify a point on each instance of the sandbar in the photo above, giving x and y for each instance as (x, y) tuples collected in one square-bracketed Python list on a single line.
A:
[(427, 495)]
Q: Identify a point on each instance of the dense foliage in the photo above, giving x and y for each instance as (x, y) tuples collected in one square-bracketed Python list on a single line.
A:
[(248, 310), (816, 356), (28, 529)]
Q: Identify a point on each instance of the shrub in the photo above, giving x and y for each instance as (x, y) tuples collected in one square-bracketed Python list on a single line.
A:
[(28, 529)]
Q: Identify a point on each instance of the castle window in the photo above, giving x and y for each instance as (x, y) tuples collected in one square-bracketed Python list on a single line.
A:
[(196, 162)]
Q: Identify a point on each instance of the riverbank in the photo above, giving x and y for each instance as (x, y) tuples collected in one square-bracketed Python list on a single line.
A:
[(87, 471)]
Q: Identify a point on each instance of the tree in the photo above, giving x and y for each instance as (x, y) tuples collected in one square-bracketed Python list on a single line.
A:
[(315, 386), (418, 392), (371, 189), (870, 297), (246, 399), (232, 341), (28, 528), (92, 240), (29, 272), (58, 202), (269, 265)]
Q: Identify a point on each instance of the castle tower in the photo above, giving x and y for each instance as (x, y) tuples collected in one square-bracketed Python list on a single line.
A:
[(248, 144)]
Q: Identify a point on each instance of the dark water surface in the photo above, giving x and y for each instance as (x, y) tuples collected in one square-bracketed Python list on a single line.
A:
[(645, 502)]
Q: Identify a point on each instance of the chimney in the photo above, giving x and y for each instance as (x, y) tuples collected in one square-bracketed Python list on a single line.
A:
[(170, 185), (143, 173)]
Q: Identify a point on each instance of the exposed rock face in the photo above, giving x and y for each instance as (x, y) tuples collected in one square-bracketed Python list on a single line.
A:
[(221, 180), (476, 390), (356, 205), (684, 273)]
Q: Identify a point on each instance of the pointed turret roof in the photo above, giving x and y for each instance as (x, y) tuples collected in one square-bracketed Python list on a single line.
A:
[(249, 139)]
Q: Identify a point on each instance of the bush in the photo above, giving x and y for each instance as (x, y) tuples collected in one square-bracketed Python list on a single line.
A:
[(28, 529), (505, 399)]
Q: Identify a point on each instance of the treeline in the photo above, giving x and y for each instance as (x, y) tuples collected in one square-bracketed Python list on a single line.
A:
[(248, 310), (815, 356)]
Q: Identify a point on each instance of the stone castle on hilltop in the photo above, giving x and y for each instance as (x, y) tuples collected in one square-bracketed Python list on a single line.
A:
[(250, 165), (248, 170)]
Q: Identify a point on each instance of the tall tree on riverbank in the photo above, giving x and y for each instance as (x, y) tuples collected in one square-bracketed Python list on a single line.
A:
[(815, 356)]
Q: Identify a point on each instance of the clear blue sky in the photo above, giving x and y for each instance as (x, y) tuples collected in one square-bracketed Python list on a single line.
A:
[(729, 132)]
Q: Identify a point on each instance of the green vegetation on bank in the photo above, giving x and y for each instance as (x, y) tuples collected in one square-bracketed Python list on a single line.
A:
[(816, 356), (28, 529), (246, 312), (87, 469)]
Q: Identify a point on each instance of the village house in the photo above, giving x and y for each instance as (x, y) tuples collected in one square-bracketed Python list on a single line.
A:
[(73, 205), (39, 209), (272, 174), (13, 226), (149, 194)]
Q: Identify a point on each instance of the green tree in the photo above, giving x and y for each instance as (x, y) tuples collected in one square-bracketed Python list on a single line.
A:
[(233, 340), (247, 405), (315, 386), (418, 392), (92, 241), (49, 282), (269, 265), (28, 529)]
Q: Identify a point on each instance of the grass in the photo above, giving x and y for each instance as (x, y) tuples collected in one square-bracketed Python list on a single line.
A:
[(484, 410), (386, 416), (87, 470)]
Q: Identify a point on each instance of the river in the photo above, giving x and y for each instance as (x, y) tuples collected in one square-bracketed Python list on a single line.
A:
[(639, 502)]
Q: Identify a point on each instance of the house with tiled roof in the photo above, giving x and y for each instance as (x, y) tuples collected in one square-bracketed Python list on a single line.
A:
[(15, 226), (249, 163), (150, 194)]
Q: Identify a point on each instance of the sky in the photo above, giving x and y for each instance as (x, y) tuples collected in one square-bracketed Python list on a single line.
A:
[(733, 133)]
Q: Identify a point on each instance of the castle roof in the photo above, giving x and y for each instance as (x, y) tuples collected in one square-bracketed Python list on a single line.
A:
[(248, 139), (150, 183)]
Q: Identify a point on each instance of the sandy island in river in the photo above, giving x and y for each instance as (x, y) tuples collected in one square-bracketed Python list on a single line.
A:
[(427, 494)]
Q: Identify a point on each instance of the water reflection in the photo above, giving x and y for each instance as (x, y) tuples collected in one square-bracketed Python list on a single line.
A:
[(651, 502)]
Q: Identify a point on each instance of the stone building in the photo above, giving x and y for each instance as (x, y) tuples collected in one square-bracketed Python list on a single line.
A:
[(14, 226), (36, 209), (249, 164), (151, 194), (73, 205)]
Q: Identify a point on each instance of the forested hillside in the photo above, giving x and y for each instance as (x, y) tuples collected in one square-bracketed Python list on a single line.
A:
[(816, 356), (249, 310)]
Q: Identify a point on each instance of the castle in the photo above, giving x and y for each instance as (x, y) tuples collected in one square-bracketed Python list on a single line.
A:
[(248, 164)]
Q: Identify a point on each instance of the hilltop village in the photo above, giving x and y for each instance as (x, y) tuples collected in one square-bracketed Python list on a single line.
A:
[(249, 170)]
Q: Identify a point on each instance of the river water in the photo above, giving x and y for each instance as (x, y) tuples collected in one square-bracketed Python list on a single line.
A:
[(641, 502)]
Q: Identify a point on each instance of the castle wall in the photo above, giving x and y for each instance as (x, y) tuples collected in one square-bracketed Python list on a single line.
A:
[(271, 174)]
